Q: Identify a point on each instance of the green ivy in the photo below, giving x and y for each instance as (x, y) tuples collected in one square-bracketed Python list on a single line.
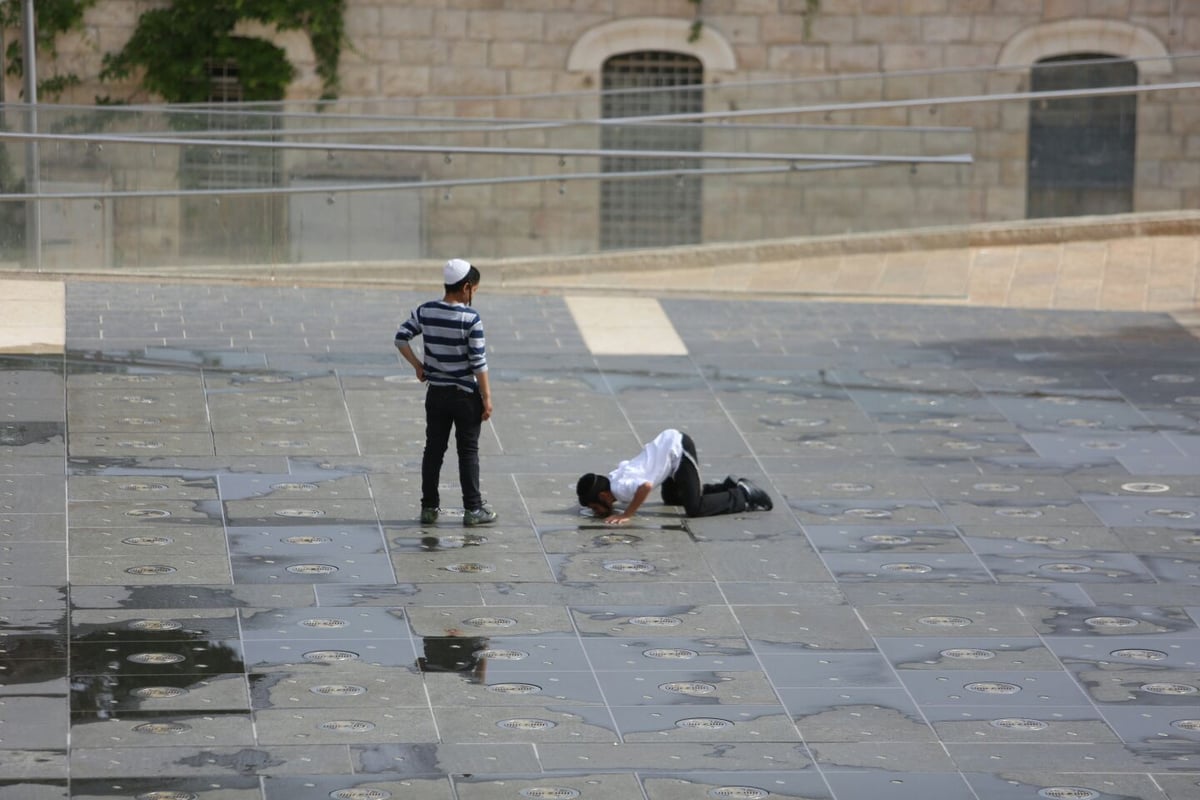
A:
[(175, 47), (53, 18)]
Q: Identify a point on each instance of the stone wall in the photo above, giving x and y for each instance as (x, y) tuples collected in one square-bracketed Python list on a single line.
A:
[(485, 58)]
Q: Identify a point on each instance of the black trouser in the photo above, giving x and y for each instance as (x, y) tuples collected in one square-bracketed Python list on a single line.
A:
[(447, 407), (698, 499)]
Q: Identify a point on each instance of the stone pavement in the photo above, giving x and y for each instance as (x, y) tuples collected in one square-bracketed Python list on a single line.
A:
[(980, 581)]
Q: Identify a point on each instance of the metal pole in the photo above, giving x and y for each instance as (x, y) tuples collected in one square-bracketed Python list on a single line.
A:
[(33, 208)]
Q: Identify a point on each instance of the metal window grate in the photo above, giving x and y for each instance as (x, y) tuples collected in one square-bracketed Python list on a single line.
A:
[(659, 211), (1081, 149)]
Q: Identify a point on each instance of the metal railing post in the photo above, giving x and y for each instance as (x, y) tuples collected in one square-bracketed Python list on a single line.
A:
[(33, 207)]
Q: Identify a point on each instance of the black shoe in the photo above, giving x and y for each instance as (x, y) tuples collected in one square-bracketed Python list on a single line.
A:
[(756, 498)]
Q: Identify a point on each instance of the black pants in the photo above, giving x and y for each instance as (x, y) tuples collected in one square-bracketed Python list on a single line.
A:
[(699, 499), (447, 407)]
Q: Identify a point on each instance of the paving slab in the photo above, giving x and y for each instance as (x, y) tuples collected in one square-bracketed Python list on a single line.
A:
[(979, 578)]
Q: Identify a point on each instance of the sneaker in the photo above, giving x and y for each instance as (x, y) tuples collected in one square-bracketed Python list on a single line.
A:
[(429, 516), (479, 516), (756, 498)]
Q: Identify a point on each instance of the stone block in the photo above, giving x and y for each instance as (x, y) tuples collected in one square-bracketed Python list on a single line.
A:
[(401, 80), (799, 59), (406, 22), (854, 58)]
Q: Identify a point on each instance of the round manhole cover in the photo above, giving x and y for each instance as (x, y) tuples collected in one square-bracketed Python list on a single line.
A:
[(299, 512), (144, 487), (155, 625), (162, 728), (527, 724), (868, 513), (1103, 445), (323, 623), (1067, 793), (147, 541), (968, 653), (1171, 513), (1019, 724), (158, 692), (656, 622), (1143, 487), (997, 487), (1066, 568), (549, 793), (1042, 539), (670, 653), (150, 569), (628, 565), (514, 688), (331, 655), (1080, 422), (1189, 725), (851, 487), (1173, 377), (704, 723), (294, 487), (155, 658), (312, 569), (1018, 513), (992, 687), (886, 538), (141, 421), (1111, 622), (738, 793), (908, 568), (501, 654), (945, 621), (617, 538), (347, 726), (1137, 654), (167, 795), (306, 540), (1175, 689), (693, 688), (470, 567), (338, 690), (152, 513), (140, 444), (490, 622), (360, 794)]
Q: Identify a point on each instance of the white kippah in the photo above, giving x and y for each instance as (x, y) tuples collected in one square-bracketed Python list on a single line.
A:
[(455, 270)]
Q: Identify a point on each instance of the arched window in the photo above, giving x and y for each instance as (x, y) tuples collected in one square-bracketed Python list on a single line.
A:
[(654, 211), (1081, 149)]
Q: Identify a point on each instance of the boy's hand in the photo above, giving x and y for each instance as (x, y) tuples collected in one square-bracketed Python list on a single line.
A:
[(420, 370), (618, 519), (487, 409)]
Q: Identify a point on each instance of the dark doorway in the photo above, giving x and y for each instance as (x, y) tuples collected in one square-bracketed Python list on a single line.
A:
[(663, 210), (1081, 149)]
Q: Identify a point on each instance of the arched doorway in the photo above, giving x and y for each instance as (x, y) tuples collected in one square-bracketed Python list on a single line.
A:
[(1081, 149), (656, 211)]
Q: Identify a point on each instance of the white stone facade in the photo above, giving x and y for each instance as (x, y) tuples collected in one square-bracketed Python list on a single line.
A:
[(487, 53)]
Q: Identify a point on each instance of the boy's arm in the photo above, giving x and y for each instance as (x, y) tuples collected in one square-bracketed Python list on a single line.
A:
[(407, 352), (485, 393), (639, 497)]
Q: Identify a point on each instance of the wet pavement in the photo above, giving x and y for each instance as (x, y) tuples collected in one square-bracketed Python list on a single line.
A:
[(980, 581)]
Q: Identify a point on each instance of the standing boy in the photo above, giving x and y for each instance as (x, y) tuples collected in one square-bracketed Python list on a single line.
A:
[(459, 396), (669, 461)]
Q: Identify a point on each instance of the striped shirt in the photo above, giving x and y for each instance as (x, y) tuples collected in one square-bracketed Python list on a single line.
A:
[(453, 342)]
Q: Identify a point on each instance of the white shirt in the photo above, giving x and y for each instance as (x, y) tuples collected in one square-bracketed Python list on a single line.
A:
[(658, 461)]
